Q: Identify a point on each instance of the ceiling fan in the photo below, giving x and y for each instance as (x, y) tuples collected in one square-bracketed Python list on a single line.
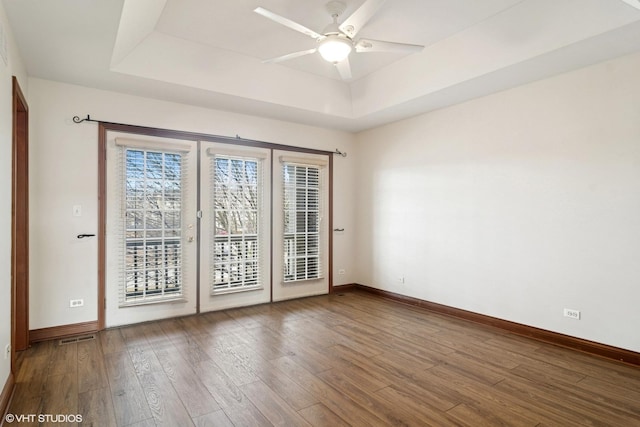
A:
[(336, 41)]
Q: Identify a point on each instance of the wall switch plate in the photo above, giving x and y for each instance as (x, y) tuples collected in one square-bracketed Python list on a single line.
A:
[(73, 303), (77, 210), (573, 314), (7, 351)]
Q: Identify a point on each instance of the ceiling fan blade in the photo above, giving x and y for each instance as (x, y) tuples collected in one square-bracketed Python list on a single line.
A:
[(354, 23), (289, 56), (287, 22), (368, 45), (344, 68)]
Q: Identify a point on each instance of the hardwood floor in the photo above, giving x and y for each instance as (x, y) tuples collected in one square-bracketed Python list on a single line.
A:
[(350, 359)]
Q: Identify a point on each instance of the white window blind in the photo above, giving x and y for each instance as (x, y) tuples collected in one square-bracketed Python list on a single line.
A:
[(153, 189), (237, 212), (302, 216)]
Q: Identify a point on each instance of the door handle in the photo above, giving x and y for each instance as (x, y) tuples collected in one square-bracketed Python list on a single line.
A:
[(82, 236)]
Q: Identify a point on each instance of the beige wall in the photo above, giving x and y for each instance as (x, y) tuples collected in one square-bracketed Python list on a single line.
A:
[(516, 205), (64, 173), (14, 67)]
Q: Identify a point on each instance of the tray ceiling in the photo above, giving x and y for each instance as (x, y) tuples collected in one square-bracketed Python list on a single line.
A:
[(210, 52)]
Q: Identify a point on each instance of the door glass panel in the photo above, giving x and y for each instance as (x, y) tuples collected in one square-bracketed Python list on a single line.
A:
[(301, 204), (237, 235), (153, 225)]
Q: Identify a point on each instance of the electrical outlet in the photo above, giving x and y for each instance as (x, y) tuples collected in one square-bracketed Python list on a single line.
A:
[(341, 271), (573, 314), (73, 303), (7, 351)]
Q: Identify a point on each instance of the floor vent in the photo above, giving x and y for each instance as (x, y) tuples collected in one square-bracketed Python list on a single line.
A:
[(80, 338)]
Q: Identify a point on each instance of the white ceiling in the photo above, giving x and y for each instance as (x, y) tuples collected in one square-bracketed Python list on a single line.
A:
[(210, 52)]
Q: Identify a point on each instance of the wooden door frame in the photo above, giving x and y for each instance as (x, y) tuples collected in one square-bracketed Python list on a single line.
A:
[(19, 224)]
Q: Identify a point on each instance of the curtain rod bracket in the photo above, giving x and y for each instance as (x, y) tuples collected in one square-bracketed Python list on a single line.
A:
[(77, 119), (340, 153)]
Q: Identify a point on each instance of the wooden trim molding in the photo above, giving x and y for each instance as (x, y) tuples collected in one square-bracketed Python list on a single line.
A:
[(585, 346), (5, 396), (102, 224), (337, 289), (19, 223), (195, 136), (330, 208), (63, 331)]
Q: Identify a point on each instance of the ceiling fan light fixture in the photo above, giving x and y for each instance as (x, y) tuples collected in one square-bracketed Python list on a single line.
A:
[(334, 48)]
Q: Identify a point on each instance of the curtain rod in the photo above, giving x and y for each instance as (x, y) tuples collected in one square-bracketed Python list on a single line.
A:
[(77, 119)]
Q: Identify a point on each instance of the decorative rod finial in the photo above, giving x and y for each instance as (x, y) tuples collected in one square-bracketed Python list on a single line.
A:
[(77, 119)]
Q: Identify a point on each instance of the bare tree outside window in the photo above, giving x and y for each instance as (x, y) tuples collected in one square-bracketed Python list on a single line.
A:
[(153, 224), (236, 243)]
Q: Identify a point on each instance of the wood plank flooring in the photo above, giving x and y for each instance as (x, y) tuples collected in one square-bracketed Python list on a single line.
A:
[(344, 359)]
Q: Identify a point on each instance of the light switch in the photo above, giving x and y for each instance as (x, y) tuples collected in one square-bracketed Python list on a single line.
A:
[(77, 210)]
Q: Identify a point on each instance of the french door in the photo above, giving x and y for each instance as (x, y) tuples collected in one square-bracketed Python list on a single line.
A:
[(300, 225), (235, 194), (151, 247), (201, 226)]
